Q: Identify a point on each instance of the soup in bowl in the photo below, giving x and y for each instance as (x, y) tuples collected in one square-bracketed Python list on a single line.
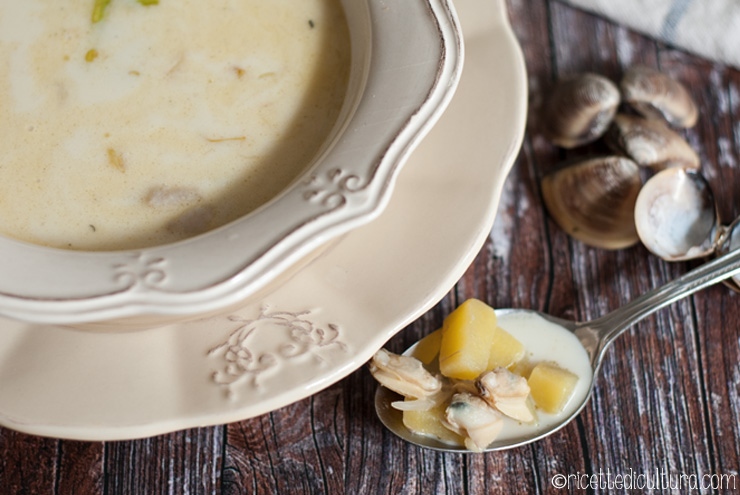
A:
[(151, 124), (175, 157)]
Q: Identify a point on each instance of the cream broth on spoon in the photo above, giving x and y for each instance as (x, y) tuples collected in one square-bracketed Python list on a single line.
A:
[(547, 341), (159, 122), (548, 338)]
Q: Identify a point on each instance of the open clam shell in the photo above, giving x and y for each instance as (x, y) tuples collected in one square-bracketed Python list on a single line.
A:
[(676, 215), (650, 143), (656, 95), (593, 200), (579, 110)]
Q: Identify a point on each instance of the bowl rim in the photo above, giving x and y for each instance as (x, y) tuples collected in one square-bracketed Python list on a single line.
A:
[(408, 74)]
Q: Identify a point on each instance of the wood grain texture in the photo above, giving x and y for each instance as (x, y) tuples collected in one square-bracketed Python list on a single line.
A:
[(667, 398)]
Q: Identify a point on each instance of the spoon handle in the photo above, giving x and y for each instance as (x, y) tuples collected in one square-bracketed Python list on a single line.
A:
[(611, 325)]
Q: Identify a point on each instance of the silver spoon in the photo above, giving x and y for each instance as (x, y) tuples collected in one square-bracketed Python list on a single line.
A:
[(595, 336)]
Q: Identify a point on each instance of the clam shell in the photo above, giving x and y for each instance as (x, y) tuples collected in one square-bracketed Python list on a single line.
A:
[(650, 143), (593, 200), (676, 216), (579, 110), (656, 95)]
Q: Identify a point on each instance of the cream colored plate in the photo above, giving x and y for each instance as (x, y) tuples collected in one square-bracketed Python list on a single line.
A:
[(323, 323)]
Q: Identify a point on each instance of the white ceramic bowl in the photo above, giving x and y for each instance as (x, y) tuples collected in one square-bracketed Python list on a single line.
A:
[(406, 62)]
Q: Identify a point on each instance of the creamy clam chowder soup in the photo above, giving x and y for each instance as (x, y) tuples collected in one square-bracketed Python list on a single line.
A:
[(132, 123)]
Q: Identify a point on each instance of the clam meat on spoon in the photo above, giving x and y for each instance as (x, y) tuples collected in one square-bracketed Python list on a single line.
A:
[(582, 345)]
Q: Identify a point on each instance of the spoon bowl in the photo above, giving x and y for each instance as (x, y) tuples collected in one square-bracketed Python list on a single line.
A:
[(593, 336)]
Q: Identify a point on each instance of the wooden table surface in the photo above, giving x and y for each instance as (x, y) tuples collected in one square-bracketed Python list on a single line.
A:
[(667, 400)]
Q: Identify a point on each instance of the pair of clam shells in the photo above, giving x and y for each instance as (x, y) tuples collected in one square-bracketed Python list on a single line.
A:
[(581, 109), (602, 201)]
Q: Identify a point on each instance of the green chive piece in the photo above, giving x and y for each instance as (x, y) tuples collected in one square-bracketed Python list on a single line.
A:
[(99, 10)]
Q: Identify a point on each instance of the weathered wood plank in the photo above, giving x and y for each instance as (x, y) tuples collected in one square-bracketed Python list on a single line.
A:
[(187, 461), (297, 449), (80, 467), (666, 398), (28, 464)]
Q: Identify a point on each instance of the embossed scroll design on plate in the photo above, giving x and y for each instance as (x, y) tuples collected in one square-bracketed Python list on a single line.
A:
[(141, 271), (291, 335), (332, 188)]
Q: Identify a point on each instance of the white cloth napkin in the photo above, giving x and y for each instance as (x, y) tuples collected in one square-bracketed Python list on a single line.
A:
[(709, 28)]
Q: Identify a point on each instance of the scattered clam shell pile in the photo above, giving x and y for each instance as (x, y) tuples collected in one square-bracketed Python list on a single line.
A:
[(604, 201)]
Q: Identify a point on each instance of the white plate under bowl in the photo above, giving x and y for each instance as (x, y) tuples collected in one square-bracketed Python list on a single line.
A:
[(322, 324)]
